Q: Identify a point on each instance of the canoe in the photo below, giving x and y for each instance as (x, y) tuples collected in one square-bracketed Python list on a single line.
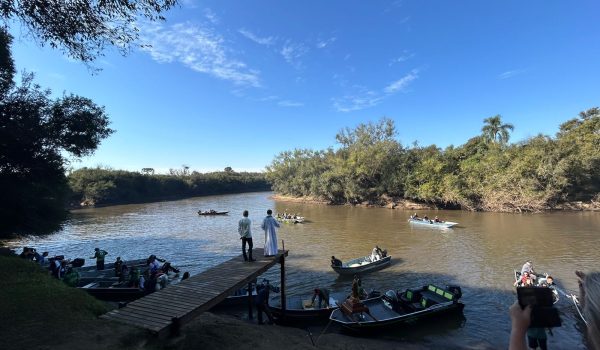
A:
[(431, 223), (208, 213), (362, 265), (111, 290), (299, 312), (109, 269), (540, 278), (105, 285), (401, 308)]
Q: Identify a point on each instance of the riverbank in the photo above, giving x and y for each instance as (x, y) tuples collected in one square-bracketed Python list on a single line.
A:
[(95, 187), (40, 312), (404, 204)]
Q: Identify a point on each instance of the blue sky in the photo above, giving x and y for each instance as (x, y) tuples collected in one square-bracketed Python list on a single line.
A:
[(235, 83)]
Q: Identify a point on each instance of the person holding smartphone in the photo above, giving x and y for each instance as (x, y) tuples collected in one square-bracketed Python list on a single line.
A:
[(589, 290)]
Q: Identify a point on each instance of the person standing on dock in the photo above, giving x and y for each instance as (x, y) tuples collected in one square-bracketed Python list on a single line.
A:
[(99, 256), (246, 236), (269, 225)]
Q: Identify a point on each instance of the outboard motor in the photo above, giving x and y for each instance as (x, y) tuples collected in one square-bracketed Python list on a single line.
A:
[(455, 290)]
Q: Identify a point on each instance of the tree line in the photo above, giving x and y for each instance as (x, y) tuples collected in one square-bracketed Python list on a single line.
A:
[(486, 173), (101, 186)]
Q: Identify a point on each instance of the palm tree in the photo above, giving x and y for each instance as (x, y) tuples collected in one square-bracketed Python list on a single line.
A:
[(494, 130)]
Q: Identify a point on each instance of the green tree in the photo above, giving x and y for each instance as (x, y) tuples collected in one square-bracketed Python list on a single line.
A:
[(83, 29), (494, 130), (36, 133)]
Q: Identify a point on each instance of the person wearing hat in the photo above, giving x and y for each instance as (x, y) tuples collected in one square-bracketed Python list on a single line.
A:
[(99, 256)]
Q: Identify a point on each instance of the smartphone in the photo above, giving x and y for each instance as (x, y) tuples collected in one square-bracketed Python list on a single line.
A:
[(543, 314), (535, 296)]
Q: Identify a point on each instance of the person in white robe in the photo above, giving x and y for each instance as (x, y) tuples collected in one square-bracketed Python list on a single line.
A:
[(269, 225)]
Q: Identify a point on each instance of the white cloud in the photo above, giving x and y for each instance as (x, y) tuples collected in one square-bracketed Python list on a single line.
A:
[(288, 103), (510, 74), (323, 43), (292, 52), (268, 41), (365, 98), (405, 56), (351, 103), (401, 83), (211, 16), (199, 48)]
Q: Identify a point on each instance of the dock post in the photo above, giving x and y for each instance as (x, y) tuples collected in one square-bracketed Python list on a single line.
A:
[(282, 289), (250, 316)]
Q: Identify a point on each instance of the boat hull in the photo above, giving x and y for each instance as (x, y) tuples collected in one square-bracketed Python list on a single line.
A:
[(296, 314), (395, 309), (445, 224), (365, 268), (369, 325)]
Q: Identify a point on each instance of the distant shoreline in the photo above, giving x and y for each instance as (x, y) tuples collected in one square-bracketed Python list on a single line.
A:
[(81, 206), (404, 204)]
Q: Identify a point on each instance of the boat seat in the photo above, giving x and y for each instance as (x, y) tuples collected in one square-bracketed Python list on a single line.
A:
[(412, 295), (436, 295)]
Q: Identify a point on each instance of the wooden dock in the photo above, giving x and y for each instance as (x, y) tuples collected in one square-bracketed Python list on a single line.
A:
[(164, 311)]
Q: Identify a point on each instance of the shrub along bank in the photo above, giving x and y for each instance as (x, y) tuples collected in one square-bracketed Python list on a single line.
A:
[(98, 186)]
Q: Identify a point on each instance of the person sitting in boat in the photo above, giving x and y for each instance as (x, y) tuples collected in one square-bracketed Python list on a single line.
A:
[(528, 267), (335, 261), (415, 216), (135, 280), (547, 281), (376, 254), (524, 280), (61, 271), (323, 295), (437, 219)]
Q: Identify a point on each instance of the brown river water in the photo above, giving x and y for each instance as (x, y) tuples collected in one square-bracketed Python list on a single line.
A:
[(479, 255)]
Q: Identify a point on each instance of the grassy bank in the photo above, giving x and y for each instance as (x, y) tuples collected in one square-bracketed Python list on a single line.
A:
[(41, 312)]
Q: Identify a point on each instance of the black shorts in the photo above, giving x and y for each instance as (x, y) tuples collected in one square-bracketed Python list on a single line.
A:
[(534, 343)]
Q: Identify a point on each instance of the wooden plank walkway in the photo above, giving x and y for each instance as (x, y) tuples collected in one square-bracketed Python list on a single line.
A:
[(187, 299)]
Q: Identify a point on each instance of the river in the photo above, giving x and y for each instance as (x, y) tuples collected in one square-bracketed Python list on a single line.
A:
[(479, 255)]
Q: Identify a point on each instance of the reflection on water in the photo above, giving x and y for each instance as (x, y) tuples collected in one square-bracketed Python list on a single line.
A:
[(479, 255)]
